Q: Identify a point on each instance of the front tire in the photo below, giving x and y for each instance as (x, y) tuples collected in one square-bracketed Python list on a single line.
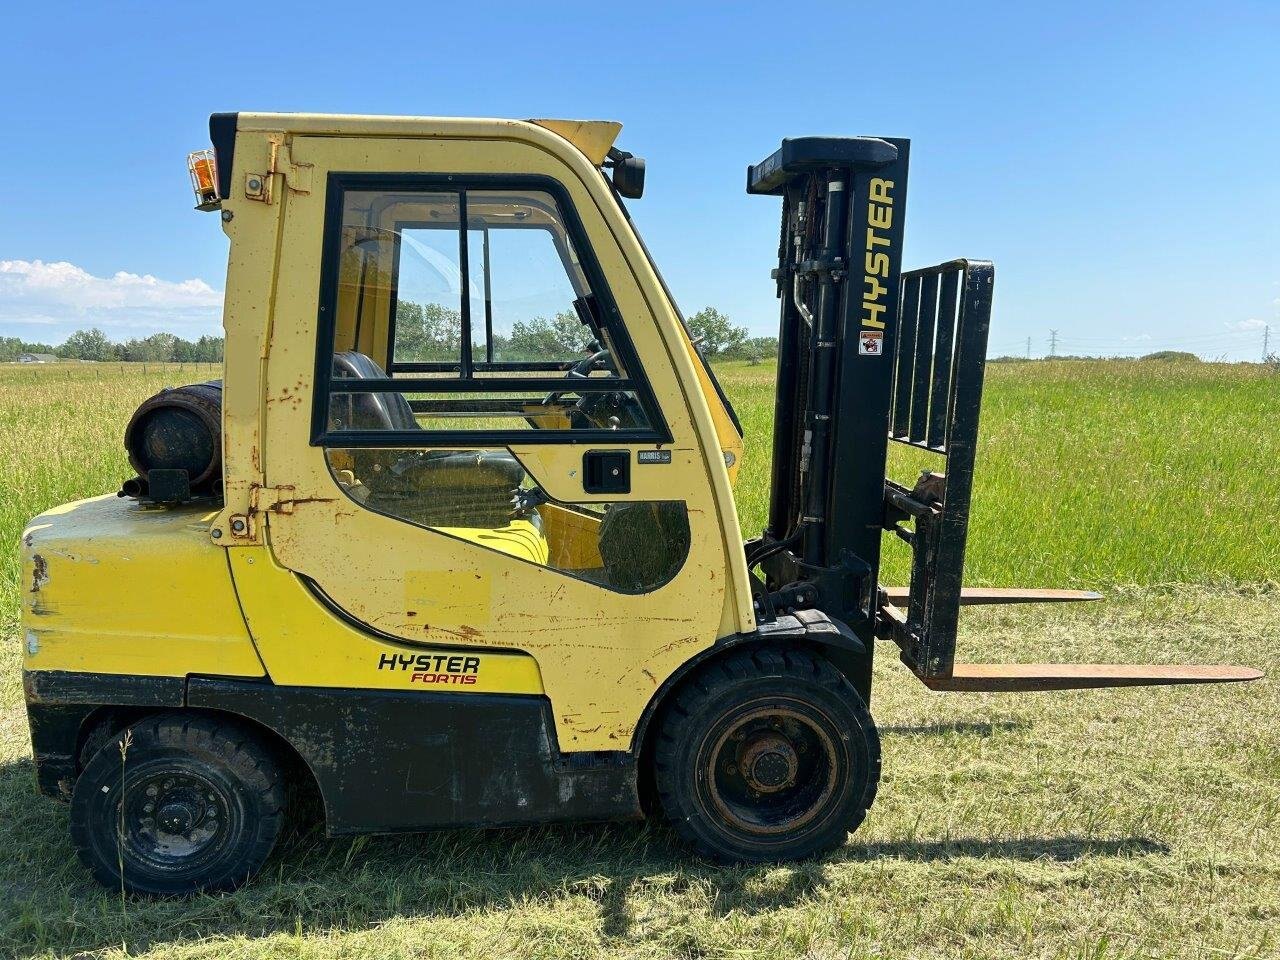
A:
[(766, 755), (188, 804)]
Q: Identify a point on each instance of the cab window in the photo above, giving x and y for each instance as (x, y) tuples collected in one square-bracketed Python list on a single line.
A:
[(470, 309)]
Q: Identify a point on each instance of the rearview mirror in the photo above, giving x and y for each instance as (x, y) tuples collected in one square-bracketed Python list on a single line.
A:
[(627, 174)]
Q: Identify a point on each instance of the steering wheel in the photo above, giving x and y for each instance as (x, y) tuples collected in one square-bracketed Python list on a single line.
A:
[(600, 360)]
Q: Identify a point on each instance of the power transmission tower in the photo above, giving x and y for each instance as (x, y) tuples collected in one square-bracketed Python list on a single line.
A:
[(1053, 343), (1028, 348), (1266, 342)]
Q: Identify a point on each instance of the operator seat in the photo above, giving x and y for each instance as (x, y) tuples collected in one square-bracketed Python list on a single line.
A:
[(366, 411), (448, 488)]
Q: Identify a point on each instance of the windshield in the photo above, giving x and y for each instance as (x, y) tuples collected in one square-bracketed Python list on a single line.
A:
[(706, 365)]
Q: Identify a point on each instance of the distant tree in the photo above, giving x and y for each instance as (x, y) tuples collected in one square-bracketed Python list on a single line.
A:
[(10, 347), (86, 345), (184, 351), (427, 331), (156, 348), (753, 349), (1172, 356), (93, 345), (561, 337), (713, 332), (208, 350)]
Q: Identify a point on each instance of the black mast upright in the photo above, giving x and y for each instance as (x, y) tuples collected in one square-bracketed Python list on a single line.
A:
[(839, 259)]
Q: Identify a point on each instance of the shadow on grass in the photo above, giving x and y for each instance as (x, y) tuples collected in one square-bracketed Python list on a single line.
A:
[(347, 885), (978, 729), (1060, 849)]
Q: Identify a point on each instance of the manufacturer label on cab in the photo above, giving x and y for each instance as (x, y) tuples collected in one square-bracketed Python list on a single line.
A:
[(875, 292), (433, 668)]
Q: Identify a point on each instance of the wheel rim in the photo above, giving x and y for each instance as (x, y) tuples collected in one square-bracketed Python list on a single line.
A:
[(773, 768), (173, 820)]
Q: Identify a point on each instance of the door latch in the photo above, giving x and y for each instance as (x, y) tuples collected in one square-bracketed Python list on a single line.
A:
[(606, 471)]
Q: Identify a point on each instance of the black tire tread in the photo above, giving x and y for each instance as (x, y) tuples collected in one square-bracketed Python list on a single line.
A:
[(716, 680), (234, 743)]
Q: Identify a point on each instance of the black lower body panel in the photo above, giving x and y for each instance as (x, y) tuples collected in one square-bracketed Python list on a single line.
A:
[(60, 701), (390, 761), (55, 732)]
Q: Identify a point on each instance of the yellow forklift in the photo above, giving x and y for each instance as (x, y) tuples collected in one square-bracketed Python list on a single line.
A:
[(454, 539)]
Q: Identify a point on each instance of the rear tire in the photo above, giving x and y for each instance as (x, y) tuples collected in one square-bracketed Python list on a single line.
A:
[(766, 755), (194, 804)]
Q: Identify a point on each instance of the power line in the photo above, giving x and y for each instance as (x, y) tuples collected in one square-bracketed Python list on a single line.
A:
[(1182, 338)]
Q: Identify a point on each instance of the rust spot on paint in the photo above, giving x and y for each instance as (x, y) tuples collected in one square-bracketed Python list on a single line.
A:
[(39, 572), (464, 632), (281, 506)]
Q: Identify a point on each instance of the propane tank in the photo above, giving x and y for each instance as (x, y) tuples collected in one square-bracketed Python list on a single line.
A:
[(180, 428)]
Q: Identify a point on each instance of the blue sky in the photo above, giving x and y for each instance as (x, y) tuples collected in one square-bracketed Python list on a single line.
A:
[(1118, 161)]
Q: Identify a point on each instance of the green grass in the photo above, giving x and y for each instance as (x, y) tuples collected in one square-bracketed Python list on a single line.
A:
[(1094, 473), (1133, 823)]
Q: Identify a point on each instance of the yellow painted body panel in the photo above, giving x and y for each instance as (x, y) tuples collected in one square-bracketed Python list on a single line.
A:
[(303, 643), (592, 137), (110, 586), (726, 433)]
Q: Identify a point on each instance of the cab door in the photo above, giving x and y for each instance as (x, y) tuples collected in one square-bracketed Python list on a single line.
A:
[(475, 436)]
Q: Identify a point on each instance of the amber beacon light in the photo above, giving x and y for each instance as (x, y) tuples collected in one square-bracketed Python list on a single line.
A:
[(204, 178)]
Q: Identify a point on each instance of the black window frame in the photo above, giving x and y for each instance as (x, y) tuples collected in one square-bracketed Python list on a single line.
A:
[(606, 310)]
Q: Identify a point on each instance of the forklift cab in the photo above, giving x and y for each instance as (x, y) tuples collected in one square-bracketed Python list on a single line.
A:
[(475, 428)]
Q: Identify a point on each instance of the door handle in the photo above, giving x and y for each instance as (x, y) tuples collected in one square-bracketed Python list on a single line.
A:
[(606, 471)]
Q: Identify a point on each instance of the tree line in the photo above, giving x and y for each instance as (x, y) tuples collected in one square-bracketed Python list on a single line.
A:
[(423, 332), (430, 331), (95, 345)]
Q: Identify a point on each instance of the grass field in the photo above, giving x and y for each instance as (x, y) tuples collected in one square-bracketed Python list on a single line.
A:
[(1135, 823)]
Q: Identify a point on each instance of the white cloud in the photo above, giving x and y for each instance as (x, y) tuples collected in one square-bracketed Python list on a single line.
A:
[(60, 297), (1244, 325)]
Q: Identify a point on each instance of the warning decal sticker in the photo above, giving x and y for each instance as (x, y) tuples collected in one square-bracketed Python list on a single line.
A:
[(871, 343)]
